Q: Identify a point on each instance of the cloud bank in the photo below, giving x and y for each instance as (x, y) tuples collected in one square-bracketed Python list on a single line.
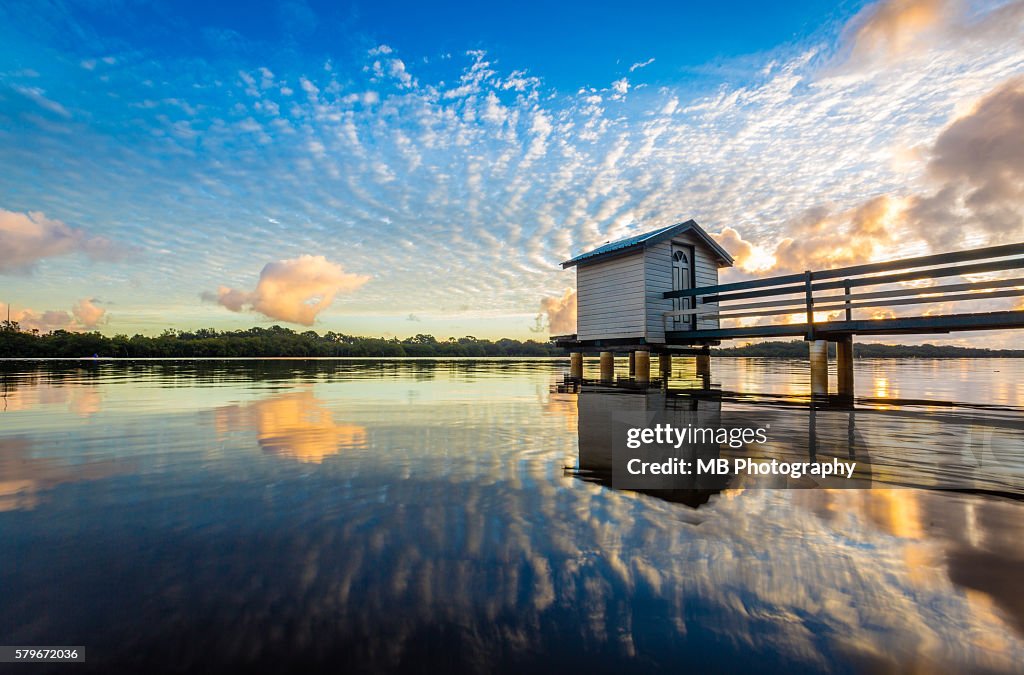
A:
[(295, 290), (975, 173), (27, 238), (978, 163), (84, 316)]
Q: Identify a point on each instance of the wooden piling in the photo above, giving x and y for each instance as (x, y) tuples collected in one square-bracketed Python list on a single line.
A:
[(643, 366), (665, 364), (576, 365), (844, 365), (703, 365), (818, 353)]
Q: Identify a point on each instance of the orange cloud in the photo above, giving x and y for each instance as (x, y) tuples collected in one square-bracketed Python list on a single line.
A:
[(87, 314), (889, 30), (295, 290), (27, 238), (741, 250), (822, 239), (976, 166), (560, 313), (83, 316), (746, 255), (893, 27)]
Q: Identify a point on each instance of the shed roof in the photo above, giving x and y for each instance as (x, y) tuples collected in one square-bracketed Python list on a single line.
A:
[(653, 237)]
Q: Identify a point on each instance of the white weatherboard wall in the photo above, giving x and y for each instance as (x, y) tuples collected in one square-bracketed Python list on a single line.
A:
[(658, 279), (610, 298), (622, 297)]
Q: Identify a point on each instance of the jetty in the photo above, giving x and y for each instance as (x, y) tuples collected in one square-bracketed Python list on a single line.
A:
[(658, 294)]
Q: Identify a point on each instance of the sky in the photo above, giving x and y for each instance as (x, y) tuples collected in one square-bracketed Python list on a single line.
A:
[(387, 168)]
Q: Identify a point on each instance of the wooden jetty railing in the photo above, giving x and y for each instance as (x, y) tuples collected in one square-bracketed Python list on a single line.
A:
[(833, 290)]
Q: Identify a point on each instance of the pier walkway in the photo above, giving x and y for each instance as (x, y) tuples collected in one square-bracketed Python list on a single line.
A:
[(830, 306)]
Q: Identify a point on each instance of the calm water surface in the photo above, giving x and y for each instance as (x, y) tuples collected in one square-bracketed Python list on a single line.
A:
[(308, 516)]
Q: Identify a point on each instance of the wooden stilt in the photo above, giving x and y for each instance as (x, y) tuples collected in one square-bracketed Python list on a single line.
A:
[(703, 364), (643, 366), (844, 365), (576, 365), (818, 352)]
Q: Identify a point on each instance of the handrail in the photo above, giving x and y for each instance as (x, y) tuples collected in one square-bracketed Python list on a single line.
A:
[(805, 288), (924, 291), (859, 270), (860, 305)]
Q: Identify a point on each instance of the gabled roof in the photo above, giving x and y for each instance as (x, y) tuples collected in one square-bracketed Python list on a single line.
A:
[(649, 238)]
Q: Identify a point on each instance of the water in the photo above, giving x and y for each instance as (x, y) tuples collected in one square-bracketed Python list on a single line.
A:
[(307, 516)]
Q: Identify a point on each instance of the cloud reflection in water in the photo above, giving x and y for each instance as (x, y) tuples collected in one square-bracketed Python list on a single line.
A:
[(447, 526)]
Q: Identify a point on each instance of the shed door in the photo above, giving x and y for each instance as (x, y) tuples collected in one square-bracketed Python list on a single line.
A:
[(682, 270)]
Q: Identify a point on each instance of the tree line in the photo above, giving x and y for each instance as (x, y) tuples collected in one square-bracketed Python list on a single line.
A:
[(272, 341)]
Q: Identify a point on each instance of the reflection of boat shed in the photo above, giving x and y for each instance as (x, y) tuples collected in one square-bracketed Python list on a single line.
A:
[(620, 286)]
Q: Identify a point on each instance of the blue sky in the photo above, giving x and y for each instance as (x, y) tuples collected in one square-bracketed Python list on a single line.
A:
[(419, 168)]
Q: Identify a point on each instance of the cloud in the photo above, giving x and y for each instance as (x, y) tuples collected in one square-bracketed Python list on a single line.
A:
[(560, 312), (84, 315), (978, 164), (742, 251), (38, 96), (892, 27), (822, 238), (295, 290), (27, 238), (87, 314), (976, 170), (641, 64)]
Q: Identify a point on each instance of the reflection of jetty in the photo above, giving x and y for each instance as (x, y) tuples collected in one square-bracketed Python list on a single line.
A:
[(659, 293), (598, 404), (979, 451)]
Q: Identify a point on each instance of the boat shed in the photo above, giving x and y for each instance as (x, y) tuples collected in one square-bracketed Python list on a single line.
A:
[(620, 286)]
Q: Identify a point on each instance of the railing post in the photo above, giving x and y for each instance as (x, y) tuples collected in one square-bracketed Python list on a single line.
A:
[(846, 291), (808, 276)]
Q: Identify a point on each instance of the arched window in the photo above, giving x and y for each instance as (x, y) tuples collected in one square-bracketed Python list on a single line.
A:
[(679, 256)]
